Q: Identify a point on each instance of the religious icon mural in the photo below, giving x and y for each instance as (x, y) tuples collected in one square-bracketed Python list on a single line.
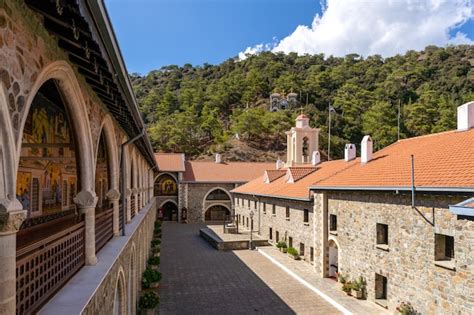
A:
[(167, 185), (47, 155), (102, 175)]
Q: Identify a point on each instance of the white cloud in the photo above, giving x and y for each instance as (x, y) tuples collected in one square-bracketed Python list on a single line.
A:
[(384, 27)]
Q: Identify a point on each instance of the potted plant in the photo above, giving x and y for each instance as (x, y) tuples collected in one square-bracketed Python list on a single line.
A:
[(358, 288), (282, 246), (156, 242), (150, 278), (154, 262), (347, 287), (405, 308), (148, 302), (293, 253), (341, 278)]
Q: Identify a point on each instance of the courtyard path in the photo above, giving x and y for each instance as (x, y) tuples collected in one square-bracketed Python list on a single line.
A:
[(197, 279)]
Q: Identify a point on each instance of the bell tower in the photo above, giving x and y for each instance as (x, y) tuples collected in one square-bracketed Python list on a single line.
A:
[(302, 141)]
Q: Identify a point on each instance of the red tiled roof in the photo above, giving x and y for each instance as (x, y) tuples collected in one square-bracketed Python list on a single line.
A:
[(271, 175), (443, 160), (170, 162), (298, 173), (282, 188), (231, 172)]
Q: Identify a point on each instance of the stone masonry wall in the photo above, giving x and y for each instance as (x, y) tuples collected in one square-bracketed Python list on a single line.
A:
[(295, 227), (133, 260), (195, 194), (409, 262)]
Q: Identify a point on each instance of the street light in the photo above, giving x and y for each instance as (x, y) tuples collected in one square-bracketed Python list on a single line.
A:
[(251, 229)]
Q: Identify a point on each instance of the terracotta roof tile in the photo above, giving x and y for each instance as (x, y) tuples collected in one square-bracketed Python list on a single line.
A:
[(298, 173), (271, 175), (170, 162), (443, 160), (282, 188), (232, 172)]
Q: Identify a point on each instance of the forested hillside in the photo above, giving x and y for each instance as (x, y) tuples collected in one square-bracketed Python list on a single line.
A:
[(199, 110)]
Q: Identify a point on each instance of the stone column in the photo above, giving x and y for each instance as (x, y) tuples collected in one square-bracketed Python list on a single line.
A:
[(86, 202), (114, 196), (128, 194), (135, 195), (11, 217)]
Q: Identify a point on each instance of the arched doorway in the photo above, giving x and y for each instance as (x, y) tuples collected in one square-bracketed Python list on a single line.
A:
[(216, 213), (169, 211), (333, 259)]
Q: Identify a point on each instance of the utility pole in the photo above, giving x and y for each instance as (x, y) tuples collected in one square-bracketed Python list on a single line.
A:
[(398, 118), (331, 110)]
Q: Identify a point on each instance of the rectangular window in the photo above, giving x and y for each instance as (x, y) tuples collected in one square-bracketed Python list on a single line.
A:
[(274, 209), (287, 213), (277, 236), (332, 222), (290, 241), (255, 205), (264, 208), (237, 201), (382, 234), (311, 254), (444, 247), (301, 249), (247, 222), (270, 233), (248, 203), (306, 216), (380, 287)]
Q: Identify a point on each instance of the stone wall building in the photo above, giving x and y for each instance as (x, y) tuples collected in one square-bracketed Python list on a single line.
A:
[(66, 111), (396, 217), (199, 190)]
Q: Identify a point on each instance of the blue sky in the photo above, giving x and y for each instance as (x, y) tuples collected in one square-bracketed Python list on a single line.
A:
[(154, 33)]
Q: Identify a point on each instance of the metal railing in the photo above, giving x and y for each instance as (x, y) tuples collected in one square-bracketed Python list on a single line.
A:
[(103, 228)]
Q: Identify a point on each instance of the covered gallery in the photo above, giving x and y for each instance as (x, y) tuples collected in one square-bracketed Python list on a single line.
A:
[(66, 111)]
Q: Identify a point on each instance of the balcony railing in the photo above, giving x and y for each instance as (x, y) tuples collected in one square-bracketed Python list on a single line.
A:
[(103, 228), (132, 206), (42, 267)]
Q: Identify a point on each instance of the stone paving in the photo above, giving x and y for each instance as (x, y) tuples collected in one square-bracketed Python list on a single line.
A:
[(197, 279)]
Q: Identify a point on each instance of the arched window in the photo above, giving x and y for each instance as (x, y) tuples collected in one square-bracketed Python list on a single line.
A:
[(218, 194), (305, 148), (47, 172)]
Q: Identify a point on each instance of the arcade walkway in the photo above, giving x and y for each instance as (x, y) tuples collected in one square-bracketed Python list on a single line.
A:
[(197, 279)]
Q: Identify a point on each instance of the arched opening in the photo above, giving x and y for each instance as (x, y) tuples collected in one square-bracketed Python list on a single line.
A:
[(216, 213), (333, 259), (104, 211), (132, 186), (119, 297), (305, 149), (169, 211), (49, 176), (132, 284), (166, 185), (217, 194)]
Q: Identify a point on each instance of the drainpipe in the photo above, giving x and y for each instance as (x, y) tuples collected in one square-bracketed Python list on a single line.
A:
[(122, 167)]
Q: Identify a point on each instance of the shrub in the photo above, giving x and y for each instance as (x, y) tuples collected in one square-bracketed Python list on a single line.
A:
[(156, 249), (347, 287), (341, 278), (293, 252), (405, 308), (149, 300), (157, 224), (155, 243), (359, 284), (150, 276), (281, 245), (155, 261)]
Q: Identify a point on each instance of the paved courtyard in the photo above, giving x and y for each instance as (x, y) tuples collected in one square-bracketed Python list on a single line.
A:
[(197, 279)]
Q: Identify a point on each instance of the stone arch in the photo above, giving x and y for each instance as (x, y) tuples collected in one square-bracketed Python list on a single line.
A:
[(8, 153), (334, 253), (132, 281), (120, 296), (64, 75), (168, 200), (218, 188), (225, 209), (107, 127)]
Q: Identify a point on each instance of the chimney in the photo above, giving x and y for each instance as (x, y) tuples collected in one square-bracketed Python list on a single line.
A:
[(466, 116), (349, 152), (315, 158), (279, 164), (366, 148), (218, 158)]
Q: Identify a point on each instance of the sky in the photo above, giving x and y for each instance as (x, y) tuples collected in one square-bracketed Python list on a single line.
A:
[(156, 33)]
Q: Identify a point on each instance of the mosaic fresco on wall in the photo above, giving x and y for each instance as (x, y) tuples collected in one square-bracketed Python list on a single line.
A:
[(47, 161)]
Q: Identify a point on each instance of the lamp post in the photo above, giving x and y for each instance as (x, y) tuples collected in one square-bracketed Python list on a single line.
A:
[(251, 229)]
